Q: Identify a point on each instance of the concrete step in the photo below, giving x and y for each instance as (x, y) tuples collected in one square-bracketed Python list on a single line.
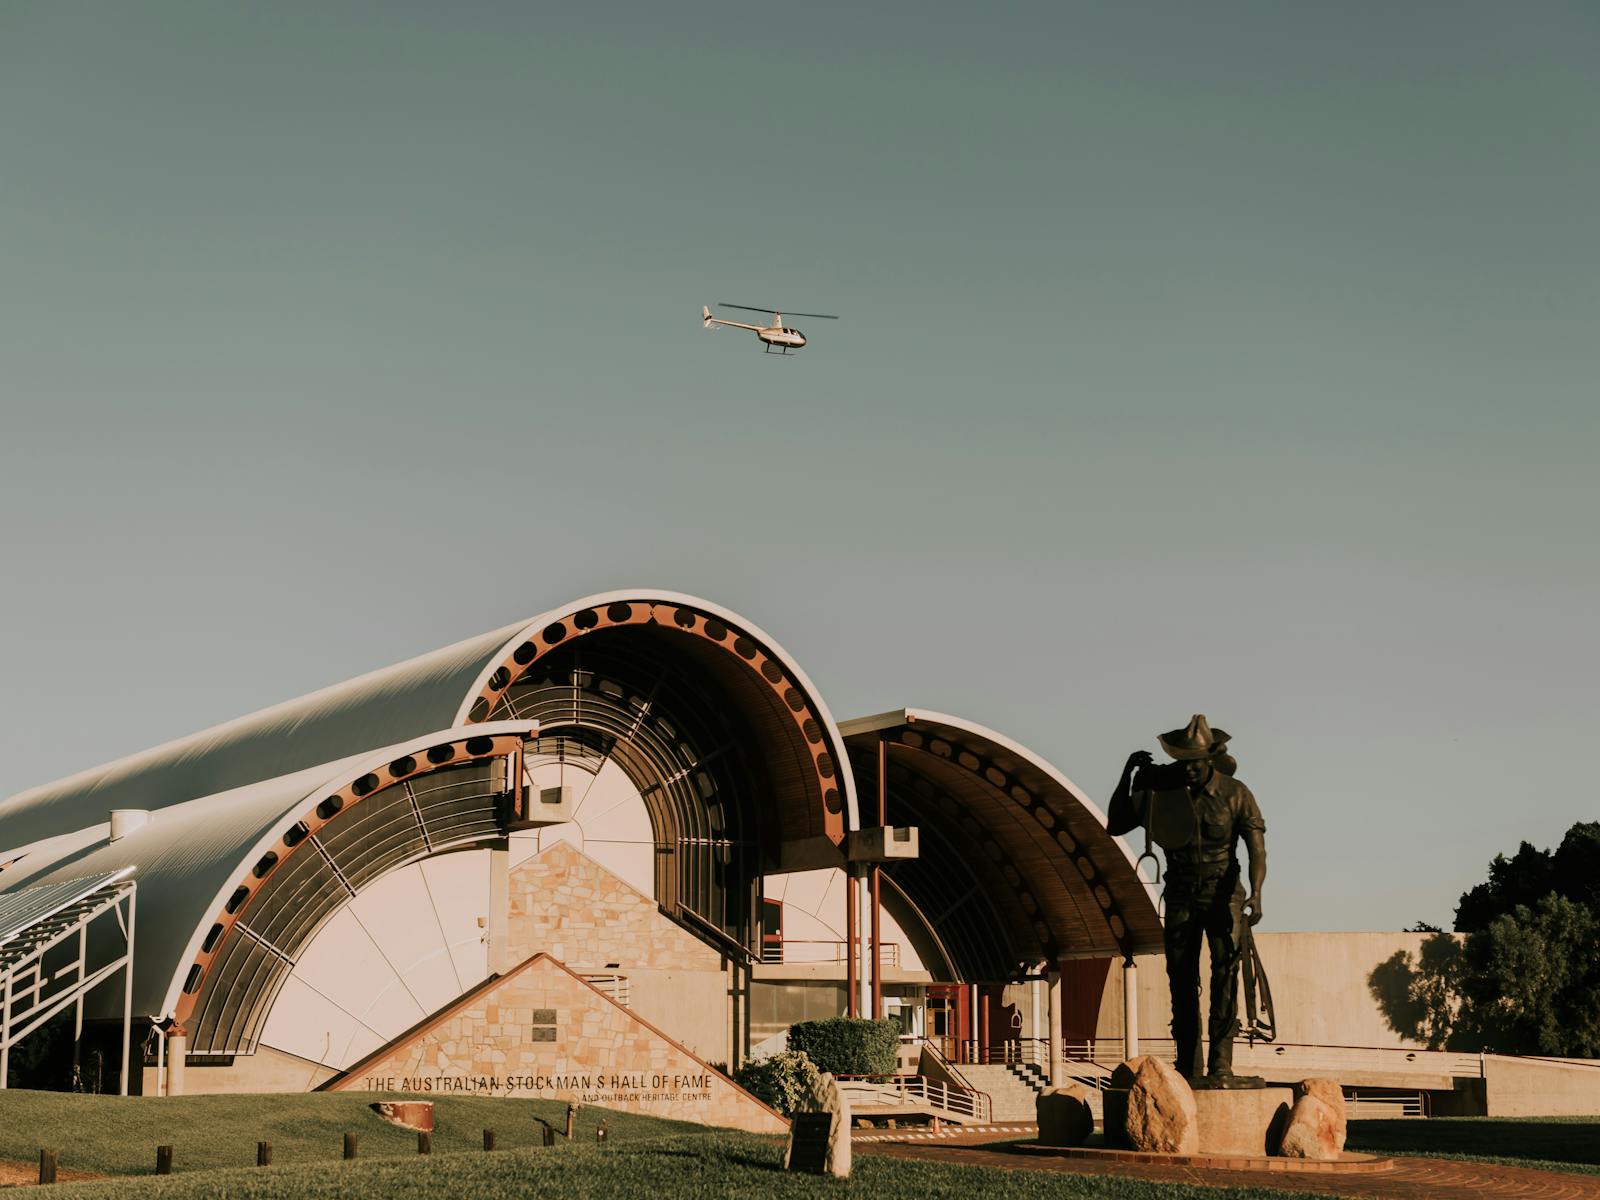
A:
[(1013, 1088)]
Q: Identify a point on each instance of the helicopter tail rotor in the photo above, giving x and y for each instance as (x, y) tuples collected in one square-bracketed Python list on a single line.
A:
[(706, 318)]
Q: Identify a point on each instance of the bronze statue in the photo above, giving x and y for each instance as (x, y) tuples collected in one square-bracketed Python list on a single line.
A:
[(1197, 812)]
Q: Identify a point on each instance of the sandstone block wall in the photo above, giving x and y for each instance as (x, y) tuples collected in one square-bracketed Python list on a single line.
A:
[(568, 906), (541, 1032)]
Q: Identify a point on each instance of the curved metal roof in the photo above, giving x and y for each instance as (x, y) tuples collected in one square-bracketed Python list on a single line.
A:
[(1044, 878), (217, 797), (191, 856), (431, 692)]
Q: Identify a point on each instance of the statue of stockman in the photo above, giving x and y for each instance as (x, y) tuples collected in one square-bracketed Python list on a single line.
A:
[(1197, 813)]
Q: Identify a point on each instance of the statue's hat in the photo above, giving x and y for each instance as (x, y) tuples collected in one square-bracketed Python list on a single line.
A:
[(1199, 740)]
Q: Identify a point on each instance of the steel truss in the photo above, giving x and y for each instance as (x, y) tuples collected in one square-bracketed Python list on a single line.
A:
[(42, 973)]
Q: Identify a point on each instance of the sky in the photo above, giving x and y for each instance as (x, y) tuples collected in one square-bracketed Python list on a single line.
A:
[(1230, 358)]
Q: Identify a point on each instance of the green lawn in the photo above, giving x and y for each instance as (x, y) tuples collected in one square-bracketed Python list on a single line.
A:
[(1550, 1143), (215, 1138), (118, 1135), (697, 1167)]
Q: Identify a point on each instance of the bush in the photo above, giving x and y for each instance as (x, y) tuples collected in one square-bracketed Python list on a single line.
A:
[(781, 1080), (849, 1045)]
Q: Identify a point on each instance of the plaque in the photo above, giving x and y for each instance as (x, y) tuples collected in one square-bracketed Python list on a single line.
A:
[(544, 1016), (543, 1033), (808, 1142)]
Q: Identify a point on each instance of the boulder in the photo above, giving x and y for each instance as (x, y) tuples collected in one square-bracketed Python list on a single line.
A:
[(1161, 1116), (1313, 1130), (1114, 1103), (1064, 1115), (824, 1096), (1331, 1094), (408, 1114)]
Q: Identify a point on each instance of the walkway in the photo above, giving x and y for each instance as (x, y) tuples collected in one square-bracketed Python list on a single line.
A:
[(1408, 1179)]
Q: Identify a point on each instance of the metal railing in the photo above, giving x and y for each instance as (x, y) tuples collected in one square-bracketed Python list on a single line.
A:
[(1365, 1104), (1012, 1051), (804, 950), (901, 1091), (616, 986), (1108, 1052)]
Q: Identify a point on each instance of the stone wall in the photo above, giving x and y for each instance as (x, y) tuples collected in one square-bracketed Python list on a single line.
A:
[(1527, 1087), (541, 1032), (267, 1070), (1320, 986), (568, 906)]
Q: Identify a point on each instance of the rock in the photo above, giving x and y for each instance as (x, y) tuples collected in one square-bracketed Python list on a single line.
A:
[(1064, 1115), (824, 1096), (1161, 1114), (1331, 1094), (1313, 1130), (408, 1114), (1114, 1103)]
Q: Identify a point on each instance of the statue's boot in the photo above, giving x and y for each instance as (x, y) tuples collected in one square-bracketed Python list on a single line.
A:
[(1189, 1062), (1219, 1071)]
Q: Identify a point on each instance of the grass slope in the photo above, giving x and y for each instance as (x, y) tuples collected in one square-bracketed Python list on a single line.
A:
[(118, 1135), (699, 1167)]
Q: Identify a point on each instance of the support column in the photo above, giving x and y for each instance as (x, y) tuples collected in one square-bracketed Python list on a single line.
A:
[(127, 998), (876, 938), (983, 1027), (1130, 1009), (1058, 1068), (733, 1014), (500, 907), (77, 1021), (852, 995), (864, 976), (875, 924), (177, 1053)]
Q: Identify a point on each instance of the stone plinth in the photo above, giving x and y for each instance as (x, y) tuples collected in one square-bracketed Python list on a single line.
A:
[(1247, 1122)]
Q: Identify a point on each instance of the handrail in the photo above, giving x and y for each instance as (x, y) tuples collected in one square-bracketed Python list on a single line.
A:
[(1109, 1052), (968, 1102), (1020, 1051), (778, 952), (945, 1064)]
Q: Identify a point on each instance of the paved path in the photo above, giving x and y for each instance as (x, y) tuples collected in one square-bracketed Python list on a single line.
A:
[(1408, 1179)]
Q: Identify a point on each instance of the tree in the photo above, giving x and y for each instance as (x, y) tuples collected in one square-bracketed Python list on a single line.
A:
[(1521, 879), (1522, 974), (1572, 871), (1530, 982)]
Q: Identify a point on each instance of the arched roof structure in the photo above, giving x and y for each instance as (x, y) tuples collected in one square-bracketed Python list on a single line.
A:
[(233, 886), (459, 685), (727, 741), (1015, 865)]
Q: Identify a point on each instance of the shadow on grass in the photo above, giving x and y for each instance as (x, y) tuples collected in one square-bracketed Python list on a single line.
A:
[(733, 1157), (1553, 1139)]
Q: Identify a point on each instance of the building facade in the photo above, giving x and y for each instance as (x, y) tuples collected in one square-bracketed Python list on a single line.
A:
[(609, 852)]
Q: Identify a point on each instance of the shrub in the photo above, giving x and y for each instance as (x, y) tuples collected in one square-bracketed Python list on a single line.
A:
[(849, 1045), (781, 1080)]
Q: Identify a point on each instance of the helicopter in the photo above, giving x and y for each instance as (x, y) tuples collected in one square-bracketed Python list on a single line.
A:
[(774, 335)]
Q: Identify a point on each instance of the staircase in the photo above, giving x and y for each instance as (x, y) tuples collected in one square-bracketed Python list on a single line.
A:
[(1012, 1087)]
